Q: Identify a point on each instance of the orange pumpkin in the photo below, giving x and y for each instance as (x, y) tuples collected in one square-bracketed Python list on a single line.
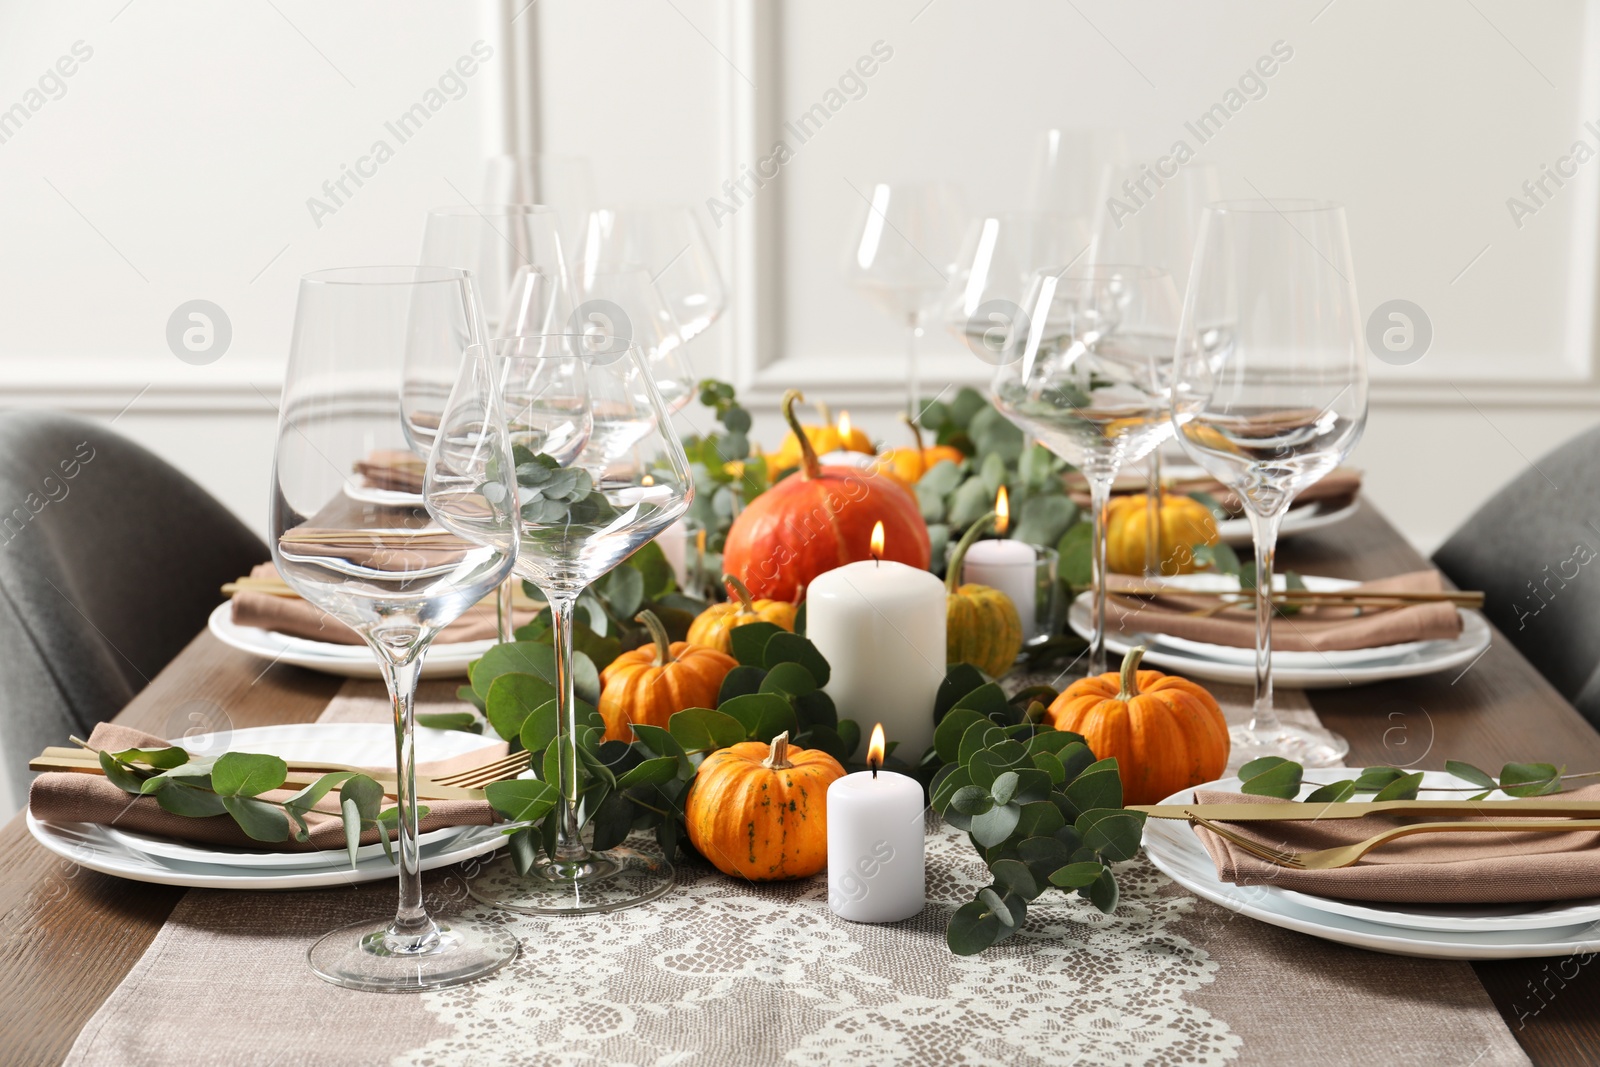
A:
[(910, 464), (760, 812), (713, 627), (653, 682), (1166, 732), (817, 519), (823, 439)]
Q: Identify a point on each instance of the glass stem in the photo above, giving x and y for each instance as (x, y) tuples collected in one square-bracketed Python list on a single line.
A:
[(570, 847), (913, 380), (413, 930), (1152, 541), (1263, 720), (504, 602), (1099, 498)]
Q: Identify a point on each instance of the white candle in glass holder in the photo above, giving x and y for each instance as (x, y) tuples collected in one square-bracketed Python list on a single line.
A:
[(1009, 566), (877, 869), (881, 627), (674, 542)]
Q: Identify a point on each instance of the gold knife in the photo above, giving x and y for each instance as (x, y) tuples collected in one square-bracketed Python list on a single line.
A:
[(1301, 812)]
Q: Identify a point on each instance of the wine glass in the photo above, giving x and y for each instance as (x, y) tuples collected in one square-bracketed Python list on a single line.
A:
[(669, 243), (1145, 217), (1270, 394), (982, 304), (620, 300), (581, 518), (1090, 381), (378, 562), (564, 183), (906, 241), (1068, 171)]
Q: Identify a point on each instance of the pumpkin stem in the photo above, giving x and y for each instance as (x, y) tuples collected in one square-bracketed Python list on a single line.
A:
[(1130, 673), (809, 467), (658, 633), (778, 758), (916, 431), (952, 574), (741, 591), (823, 412)]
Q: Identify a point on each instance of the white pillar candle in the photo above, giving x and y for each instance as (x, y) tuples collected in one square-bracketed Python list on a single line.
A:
[(881, 627), (1011, 567), (876, 865), (674, 542)]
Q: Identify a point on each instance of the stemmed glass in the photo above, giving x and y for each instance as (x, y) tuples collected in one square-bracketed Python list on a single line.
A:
[(619, 300), (1270, 394), (1090, 381), (1147, 218), (378, 562), (564, 183), (669, 243), (904, 247), (982, 304), (582, 517)]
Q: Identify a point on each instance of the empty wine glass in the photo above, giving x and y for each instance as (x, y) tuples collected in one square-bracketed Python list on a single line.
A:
[(563, 183), (669, 243), (582, 517), (982, 304), (1090, 381), (378, 561), (619, 300), (1270, 394), (905, 244), (1068, 171), (1150, 218)]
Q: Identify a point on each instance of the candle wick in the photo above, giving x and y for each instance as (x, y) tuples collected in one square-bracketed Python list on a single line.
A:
[(874, 768)]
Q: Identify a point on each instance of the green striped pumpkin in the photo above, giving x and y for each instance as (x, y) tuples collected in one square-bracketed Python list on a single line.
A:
[(982, 626)]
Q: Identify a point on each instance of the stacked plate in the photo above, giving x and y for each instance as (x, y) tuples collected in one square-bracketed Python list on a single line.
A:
[(444, 659), (165, 861), (1302, 670), (1460, 931)]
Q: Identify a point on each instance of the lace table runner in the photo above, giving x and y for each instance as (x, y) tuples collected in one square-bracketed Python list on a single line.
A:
[(723, 973)]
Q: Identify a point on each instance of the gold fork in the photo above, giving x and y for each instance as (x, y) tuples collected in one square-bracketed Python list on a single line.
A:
[(1328, 859)]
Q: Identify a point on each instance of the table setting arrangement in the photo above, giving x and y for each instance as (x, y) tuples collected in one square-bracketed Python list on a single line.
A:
[(893, 695)]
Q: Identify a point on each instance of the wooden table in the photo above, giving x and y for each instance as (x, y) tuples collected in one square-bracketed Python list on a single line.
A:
[(70, 935)]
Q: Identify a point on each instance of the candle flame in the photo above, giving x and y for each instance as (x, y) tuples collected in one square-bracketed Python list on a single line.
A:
[(877, 539), (844, 429), (875, 749), (648, 479), (1002, 511)]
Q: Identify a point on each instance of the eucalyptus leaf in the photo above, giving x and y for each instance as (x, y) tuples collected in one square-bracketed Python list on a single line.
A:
[(972, 800), (1016, 877), (959, 680), (788, 678), (1112, 834), (247, 774), (1468, 773), (1044, 519), (1333, 792), (184, 800), (762, 715), (1077, 875), (1103, 894), (849, 732), (260, 820), (1403, 788), (1039, 820), (164, 759), (541, 727), (704, 730), (1075, 555), (995, 825), (464, 721), (1530, 779), (748, 643), (514, 696), (1271, 776), (784, 647), (948, 734), (974, 927), (740, 681), (522, 799), (120, 775), (1099, 786)]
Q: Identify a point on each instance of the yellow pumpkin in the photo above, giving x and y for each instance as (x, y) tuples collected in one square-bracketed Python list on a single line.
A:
[(652, 683), (910, 464), (713, 627), (1184, 522), (1166, 733), (982, 626), (824, 439), (759, 811)]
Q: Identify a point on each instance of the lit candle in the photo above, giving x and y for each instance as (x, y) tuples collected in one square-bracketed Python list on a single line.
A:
[(876, 865), (881, 627), (861, 460), (1009, 566)]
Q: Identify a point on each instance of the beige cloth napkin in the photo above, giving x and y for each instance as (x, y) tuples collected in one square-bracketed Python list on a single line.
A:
[(1321, 629), (67, 796), (300, 618), (395, 470), (1441, 868)]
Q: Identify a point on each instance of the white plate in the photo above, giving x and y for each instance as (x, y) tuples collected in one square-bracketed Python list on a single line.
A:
[(443, 659), (357, 743), (1316, 515), (1302, 670), (1173, 847)]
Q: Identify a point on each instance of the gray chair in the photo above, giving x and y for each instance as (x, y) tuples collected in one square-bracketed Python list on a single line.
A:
[(110, 561), (1534, 549)]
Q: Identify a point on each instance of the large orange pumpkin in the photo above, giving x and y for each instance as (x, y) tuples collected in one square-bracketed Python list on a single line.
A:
[(653, 682), (760, 812), (1166, 732), (817, 519)]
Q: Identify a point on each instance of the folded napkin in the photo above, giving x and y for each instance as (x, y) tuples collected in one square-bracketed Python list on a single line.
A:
[(1312, 629), (394, 470), (69, 796), (300, 618), (1443, 868)]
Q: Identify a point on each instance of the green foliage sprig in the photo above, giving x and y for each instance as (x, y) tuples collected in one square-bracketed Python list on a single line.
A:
[(232, 784), (724, 481), (1037, 805), (1274, 776)]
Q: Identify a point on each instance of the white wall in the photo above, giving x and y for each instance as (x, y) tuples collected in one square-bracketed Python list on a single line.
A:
[(178, 162)]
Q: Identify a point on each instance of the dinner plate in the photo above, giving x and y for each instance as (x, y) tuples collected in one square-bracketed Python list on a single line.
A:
[(1174, 848), (1301, 670), (443, 659), (356, 743)]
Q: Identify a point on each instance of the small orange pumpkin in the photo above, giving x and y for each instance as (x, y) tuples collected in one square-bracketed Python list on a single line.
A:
[(910, 464), (713, 627), (653, 682), (759, 811), (1166, 732)]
